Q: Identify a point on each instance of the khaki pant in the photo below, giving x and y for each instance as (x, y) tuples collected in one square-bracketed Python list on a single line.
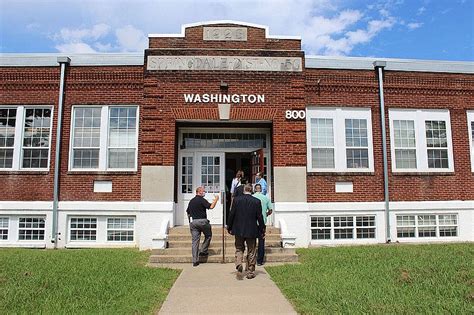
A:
[(251, 258)]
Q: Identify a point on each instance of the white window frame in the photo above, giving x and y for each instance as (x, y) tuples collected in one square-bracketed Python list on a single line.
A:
[(7, 227), (470, 120), (69, 229), (32, 228), (419, 116), (120, 229), (339, 115), (18, 141), (104, 140), (354, 228), (417, 226)]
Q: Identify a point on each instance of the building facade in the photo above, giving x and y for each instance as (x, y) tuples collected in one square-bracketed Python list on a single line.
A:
[(104, 150)]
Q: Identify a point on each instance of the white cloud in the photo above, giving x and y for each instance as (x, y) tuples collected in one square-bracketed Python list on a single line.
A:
[(326, 26), (77, 35), (413, 26), (130, 38), (74, 48), (421, 10)]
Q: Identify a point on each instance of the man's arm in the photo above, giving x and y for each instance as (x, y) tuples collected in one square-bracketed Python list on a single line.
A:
[(230, 220), (214, 202), (261, 224)]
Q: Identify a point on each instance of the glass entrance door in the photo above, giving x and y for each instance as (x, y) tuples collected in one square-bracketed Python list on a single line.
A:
[(211, 176)]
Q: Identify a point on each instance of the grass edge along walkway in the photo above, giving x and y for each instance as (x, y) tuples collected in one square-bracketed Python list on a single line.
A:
[(377, 279), (81, 281)]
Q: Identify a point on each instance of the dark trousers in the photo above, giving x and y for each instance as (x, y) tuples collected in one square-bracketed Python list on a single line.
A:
[(261, 250), (251, 258), (197, 227)]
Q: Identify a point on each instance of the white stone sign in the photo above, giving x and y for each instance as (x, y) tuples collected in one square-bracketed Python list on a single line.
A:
[(225, 33), (224, 63)]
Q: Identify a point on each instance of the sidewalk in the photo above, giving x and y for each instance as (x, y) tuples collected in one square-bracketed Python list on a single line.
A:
[(216, 289)]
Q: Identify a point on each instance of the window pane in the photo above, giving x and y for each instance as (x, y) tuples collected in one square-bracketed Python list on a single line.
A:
[(7, 136), (357, 158), (322, 132), (438, 158), (121, 158), (322, 158), (405, 158), (86, 137), (86, 158)]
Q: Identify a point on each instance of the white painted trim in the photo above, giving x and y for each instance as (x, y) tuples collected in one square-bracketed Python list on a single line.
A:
[(393, 64), (470, 120), (329, 207), (51, 59), (419, 116), (205, 23), (338, 116)]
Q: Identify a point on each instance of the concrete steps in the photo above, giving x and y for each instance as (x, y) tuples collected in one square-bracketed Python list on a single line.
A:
[(179, 247)]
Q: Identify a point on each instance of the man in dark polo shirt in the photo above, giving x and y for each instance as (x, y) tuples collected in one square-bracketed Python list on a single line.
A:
[(198, 223)]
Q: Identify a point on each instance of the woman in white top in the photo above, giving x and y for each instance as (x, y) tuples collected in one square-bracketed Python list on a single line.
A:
[(236, 181)]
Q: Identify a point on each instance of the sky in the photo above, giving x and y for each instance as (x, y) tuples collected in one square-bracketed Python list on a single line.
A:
[(408, 29)]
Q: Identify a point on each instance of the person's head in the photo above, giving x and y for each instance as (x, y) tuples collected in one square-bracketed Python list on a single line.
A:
[(244, 180), (259, 175), (200, 191), (248, 189), (239, 174), (258, 188)]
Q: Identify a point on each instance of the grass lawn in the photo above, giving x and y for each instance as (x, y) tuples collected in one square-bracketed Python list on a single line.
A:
[(429, 279), (86, 281)]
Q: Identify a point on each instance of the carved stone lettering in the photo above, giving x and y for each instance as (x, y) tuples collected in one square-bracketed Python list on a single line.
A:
[(224, 63), (225, 33)]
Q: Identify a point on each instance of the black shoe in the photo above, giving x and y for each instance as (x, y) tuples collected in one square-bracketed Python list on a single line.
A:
[(250, 275), (260, 264), (195, 264), (203, 254), (239, 268)]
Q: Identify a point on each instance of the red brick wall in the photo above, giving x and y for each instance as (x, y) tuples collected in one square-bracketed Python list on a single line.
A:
[(159, 94), (345, 88), (84, 86), (29, 86)]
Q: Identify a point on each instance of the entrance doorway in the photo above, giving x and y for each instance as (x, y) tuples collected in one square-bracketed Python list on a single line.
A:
[(211, 158)]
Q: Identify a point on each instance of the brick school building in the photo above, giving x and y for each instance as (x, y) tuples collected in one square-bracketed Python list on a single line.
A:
[(103, 150)]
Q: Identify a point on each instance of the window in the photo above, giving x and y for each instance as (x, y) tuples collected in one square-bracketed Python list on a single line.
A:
[(187, 175), (31, 229), (203, 140), (427, 225), (3, 229), (25, 137), (340, 140), (104, 138), (421, 141), (120, 229), (83, 229), (470, 127), (342, 227)]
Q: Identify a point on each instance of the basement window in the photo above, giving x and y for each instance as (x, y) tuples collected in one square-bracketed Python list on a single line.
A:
[(4, 229), (342, 227), (427, 225), (31, 229), (120, 229)]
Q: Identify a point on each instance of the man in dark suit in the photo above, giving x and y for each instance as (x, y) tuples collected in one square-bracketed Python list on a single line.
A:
[(246, 224)]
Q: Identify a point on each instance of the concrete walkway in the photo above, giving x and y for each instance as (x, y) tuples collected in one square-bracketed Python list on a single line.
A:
[(217, 289)]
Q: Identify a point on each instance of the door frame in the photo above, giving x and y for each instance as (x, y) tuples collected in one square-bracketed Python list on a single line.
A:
[(196, 152)]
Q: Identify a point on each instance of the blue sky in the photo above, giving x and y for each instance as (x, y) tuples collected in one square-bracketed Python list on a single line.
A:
[(414, 29)]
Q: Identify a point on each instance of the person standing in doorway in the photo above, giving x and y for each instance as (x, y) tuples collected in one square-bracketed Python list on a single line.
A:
[(266, 211), (260, 180), (236, 181), (246, 224), (198, 223), (239, 190)]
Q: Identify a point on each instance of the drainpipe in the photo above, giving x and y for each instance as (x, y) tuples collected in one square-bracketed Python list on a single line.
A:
[(379, 66), (63, 62)]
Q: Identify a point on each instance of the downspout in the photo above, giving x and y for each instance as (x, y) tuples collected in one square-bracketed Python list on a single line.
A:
[(379, 66), (63, 62)]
